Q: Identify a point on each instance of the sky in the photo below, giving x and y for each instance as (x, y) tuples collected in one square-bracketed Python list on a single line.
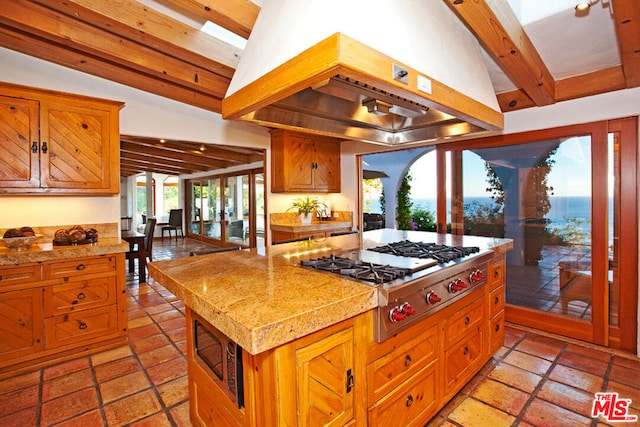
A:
[(570, 176)]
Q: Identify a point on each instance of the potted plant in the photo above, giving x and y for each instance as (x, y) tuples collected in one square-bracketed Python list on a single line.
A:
[(307, 206)]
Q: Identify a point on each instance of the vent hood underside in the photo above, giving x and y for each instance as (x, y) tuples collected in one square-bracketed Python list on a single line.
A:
[(342, 88)]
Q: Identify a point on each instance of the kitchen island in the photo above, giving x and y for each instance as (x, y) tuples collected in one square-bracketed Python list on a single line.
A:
[(306, 338)]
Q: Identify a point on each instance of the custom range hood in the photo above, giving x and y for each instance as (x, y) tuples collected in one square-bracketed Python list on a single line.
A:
[(387, 72)]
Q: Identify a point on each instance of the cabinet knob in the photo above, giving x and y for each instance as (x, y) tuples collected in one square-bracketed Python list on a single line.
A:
[(409, 401), (44, 147), (81, 295), (81, 267), (466, 351), (34, 147), (407, 360), (82, 325)]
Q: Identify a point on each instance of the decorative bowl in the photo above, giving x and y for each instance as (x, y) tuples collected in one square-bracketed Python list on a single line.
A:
[(20, 243)]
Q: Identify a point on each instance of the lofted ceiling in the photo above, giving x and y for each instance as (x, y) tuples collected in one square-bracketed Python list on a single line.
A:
[(538, 53)]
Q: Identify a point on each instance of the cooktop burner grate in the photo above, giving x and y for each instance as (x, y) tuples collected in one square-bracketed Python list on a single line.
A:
[(371, 272), (441, 253)]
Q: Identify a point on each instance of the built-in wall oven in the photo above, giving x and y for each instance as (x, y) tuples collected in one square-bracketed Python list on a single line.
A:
[(223, 357)]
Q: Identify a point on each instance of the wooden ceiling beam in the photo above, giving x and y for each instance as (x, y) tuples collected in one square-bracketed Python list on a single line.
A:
[(627, 21), (211, 151), (53, 26), (167, 154), (137, 167), (62, 55), (237, 16), (498, 29), (135, 21), (601, 81), (155, 161)]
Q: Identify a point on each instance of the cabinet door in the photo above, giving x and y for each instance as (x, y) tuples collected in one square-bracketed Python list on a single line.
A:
[(19, 165), (301, 154), (325, 396), (20, 324), (326, 171), (75, 148)]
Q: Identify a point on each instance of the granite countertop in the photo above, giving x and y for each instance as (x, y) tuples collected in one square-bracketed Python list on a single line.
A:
[(40, 252), (108, 242), (263, 300)]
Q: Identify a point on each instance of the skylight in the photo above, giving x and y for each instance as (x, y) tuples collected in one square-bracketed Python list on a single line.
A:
[(224, 35)]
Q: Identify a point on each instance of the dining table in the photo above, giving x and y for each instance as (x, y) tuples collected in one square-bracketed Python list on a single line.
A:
[(136, 247)]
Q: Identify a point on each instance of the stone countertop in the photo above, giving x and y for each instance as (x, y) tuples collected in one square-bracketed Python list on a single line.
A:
[(314, 226), (263, 300), (39, 252)]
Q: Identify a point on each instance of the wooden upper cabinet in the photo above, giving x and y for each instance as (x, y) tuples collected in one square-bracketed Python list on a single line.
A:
[(52, 143), (304, 163)]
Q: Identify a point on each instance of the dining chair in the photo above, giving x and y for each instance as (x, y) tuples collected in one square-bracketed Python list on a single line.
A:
[(175, 224), (149, 229)]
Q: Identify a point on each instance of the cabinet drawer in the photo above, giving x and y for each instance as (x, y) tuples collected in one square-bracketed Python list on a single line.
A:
[(412, 404), (13, 275), (496, 300), (461, 361), (387, 372), (496, 333), (496, 274), (464, 320), (79, 295), (81, 326), (102, 264)]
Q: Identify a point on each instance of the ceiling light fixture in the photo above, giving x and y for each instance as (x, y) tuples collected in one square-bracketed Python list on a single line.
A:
[(583, 5)]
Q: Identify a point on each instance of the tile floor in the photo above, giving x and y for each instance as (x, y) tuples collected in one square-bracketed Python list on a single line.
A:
[(534, 380)]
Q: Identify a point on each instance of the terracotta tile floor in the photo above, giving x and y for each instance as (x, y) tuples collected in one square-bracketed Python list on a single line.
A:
[(534, 380)]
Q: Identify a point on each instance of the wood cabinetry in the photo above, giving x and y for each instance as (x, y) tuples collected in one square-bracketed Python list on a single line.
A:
[(57, 143), (304, 163), (60, 309), (308, 382), (496, 291), (341, 376)]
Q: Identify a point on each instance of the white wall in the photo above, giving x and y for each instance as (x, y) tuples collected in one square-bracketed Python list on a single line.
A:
[(144, 114)]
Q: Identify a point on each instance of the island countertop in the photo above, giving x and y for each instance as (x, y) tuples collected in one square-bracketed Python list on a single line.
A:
[(263, 300)]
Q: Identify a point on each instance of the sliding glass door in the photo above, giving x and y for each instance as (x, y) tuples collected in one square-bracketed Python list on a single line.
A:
[(564, 196), (221, 208)]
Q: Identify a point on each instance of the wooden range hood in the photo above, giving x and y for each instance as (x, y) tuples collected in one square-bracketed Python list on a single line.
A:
[(384, 72)]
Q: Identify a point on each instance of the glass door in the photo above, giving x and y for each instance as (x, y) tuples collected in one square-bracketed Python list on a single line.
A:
[(540, 189), (236, 208)]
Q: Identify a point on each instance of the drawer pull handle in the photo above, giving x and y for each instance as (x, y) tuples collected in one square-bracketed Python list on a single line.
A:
[(34, 147), (81, 295), (0, 278), (466, 351), (496, 301), (44, 148), (81, 267), (497, 328), (496, 273), (82, 325), (467, 320), (409, 401), (407, 360)]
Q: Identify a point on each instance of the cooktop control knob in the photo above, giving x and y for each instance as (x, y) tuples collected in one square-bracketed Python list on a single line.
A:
[(456, 285), (407, 309), (476, 276), (396, 314), (433, 298)]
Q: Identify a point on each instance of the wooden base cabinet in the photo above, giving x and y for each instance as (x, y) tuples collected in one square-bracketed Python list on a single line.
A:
[(340, 376), (57, 310)]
